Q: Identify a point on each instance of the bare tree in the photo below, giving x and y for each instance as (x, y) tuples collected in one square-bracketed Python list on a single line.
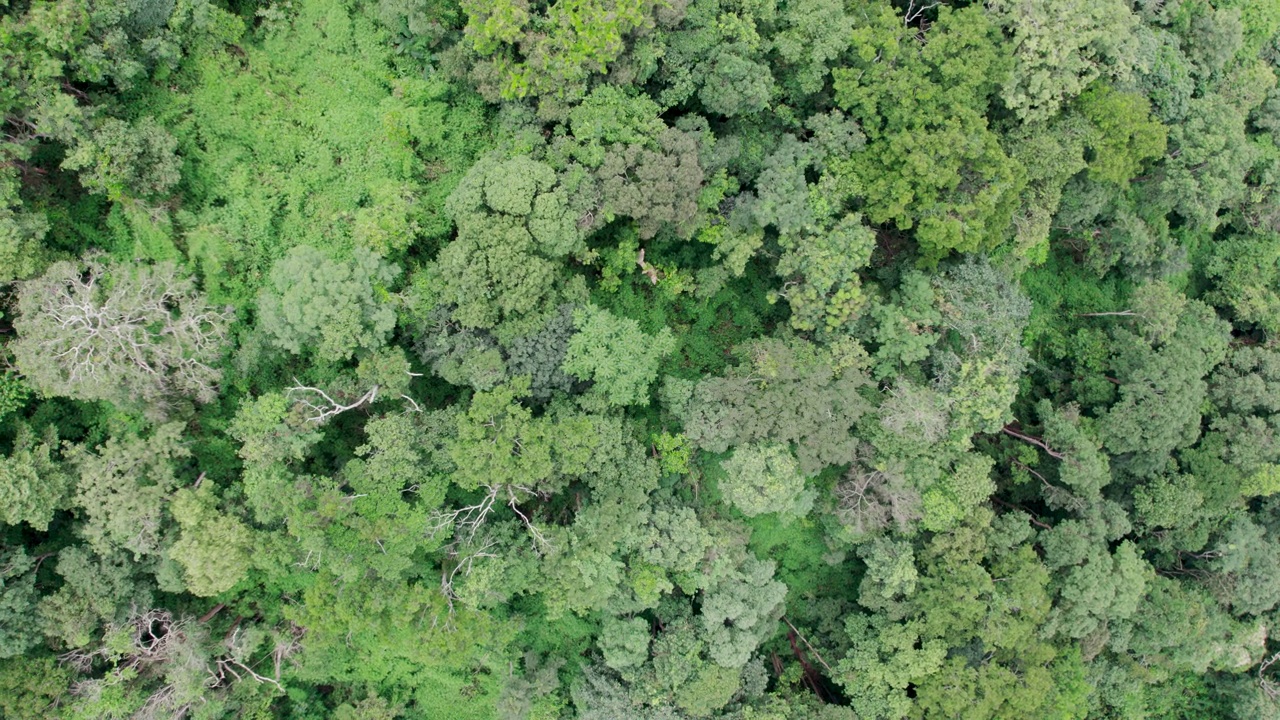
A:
[(321, 406), (468, 544), (178, 653), (128, 333), (869, 500)]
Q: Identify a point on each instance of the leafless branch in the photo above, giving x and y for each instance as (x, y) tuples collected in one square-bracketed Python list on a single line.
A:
[(324, 406), (1007, 430)]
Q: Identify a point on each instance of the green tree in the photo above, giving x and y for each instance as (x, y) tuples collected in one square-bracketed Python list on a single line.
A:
[(1098, 589), (124, 160), (740, 610), (1244, 269), (824, 288), (95, 590), (967, 486), (762, 478), (1125, 133), (561, 49), (514, 221), (1150, 417), (814, 35), (734, 84), (213, 547), (1061, 46), (541, 355), (313, 302), (18, 598), (656, 186), (624, 642), (124, 487), (784, 392), (958, 620), (34, 484), (931, 163), (1208, 159), (33, 687), (616, 355)]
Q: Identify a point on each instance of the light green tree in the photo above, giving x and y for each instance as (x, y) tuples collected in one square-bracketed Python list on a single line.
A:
[(624, 642), (740, 610), (1061, 46), (613, 352), (213, 547), (34, 484), (334, 308), (763, 478), (124, 487), (1125, 135)]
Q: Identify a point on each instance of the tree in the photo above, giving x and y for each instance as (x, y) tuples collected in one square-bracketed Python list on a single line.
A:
[(1096, 587), (212, 547), (512, 458), (513, 221), (124, 160), (32, 687), (95, 590), (891, 574), (271, 439), (337, 308), (1061, 46), (1151, 418), (735, 83), (1208, 158), (871, 500), (34, 484), (616, 354), (656, 186), (905, 325), (138, 335), (625, 642), (1083, 467), (784, 392), (389, 492), (561, 49), (541, 355), (761, 478), (491, 272), (18, 597), (825, 292), (966, 487), (123, 489), (739, 611), (931, 163), (1244, 268), (957, 624), (980, 356), (460, 355), (814, 36), (1125, 133), (1244, 574)]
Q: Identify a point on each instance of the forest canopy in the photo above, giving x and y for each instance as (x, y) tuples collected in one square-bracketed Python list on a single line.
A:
[(640, 359)]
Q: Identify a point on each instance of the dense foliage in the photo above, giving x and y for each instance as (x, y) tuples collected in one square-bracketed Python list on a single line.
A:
[(640, 359)]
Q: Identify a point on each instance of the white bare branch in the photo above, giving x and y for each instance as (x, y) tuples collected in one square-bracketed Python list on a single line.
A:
[(322, 406), (147, 336)]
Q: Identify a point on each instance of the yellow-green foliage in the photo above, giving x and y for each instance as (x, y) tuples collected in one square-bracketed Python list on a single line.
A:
[(313, 137)]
